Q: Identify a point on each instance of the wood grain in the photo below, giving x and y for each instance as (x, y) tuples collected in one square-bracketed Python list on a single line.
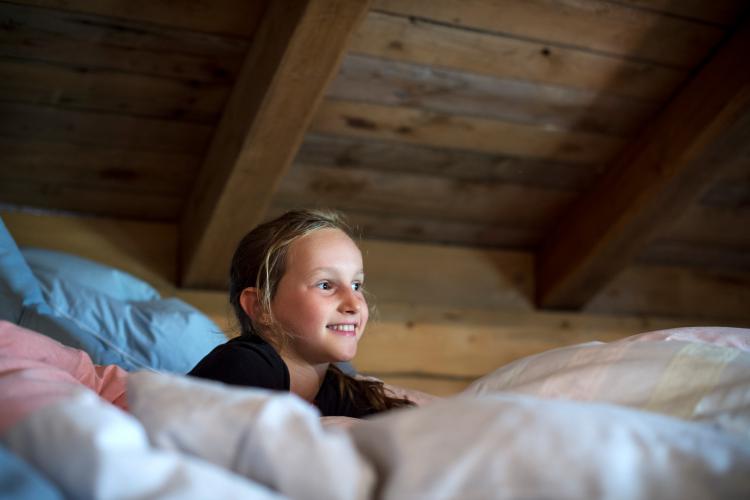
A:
[(421, 195), (711, 225), (109, 91), (724, 12), (706, 296), (396, 158), (92, 199), (99, 167), (377, 81), (471, 343), (596, 25), (416, 126), (432, 230), (89, 42), (42, 123), (231, 17), (444, 46), (711, 258)]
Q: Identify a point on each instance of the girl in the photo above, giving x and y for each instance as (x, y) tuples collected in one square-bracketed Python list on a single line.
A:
[(296, 289)]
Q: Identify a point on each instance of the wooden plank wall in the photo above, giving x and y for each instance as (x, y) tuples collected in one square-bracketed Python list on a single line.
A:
[(108, 107), (435, 331), (479, 122)]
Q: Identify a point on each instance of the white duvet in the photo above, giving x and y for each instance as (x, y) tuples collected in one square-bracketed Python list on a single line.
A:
[(533, 429)]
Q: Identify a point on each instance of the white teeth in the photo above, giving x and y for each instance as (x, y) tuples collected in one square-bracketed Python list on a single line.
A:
[(342, 328)]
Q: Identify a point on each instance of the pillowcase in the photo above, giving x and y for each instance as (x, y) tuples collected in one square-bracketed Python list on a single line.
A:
[(106, 280), (18, 479), (114, 317), (161, 334), (83, 444), (690, 378), (18, 287), (273, 438), (516, 446)]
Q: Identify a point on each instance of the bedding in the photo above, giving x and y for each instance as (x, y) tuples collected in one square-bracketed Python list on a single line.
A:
[(116, 318), (658, 415)]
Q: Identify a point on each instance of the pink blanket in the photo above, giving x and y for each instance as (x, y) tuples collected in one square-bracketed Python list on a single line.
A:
[(36, 371)]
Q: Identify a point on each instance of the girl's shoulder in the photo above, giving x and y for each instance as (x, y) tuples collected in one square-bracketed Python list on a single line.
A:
[(247, 362)]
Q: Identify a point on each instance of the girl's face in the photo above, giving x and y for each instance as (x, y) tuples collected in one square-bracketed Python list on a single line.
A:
[(319, 298)]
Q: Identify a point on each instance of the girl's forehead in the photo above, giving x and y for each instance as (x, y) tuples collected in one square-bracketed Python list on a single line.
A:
[(324, 248)]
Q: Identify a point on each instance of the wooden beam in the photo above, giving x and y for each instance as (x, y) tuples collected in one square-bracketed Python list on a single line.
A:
[(297, 50), (701, 130)]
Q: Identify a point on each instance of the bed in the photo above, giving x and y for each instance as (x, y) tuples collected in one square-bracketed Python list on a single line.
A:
[(658, 415)]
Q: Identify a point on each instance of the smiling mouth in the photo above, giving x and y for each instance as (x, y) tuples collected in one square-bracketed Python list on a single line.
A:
[(347, 330)]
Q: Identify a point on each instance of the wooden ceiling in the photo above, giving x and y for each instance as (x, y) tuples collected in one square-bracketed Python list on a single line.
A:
[(597, 134)]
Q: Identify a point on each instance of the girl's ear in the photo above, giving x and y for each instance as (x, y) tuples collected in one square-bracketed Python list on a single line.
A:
[(250, 303)]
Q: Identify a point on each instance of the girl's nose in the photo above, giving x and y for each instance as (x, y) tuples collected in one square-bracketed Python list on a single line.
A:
[(350, 303)]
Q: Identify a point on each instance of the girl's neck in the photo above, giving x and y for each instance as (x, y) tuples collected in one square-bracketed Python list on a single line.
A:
[(304, 379)]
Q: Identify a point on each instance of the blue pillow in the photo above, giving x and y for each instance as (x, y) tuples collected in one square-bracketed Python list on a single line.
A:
[(20, 481), (162, 334), (18, 287), (103, 279), (114, 317)]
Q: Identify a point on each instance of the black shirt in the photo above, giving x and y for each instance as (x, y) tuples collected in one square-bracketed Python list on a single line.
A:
[(248, 360)]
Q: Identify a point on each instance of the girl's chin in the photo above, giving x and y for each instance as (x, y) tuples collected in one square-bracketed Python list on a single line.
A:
[(342, 357)]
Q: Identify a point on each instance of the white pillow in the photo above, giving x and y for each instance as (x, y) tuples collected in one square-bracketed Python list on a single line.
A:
[(513, 446), (90, 449), (274, 438), (692, 379)]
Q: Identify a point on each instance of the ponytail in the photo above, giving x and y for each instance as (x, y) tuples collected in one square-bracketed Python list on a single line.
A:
[(367, 394)]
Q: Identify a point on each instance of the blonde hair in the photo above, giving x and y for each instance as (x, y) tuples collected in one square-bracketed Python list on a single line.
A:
[(260, 262)]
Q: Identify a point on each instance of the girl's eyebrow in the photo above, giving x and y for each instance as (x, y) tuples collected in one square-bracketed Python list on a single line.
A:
[(360, 272)]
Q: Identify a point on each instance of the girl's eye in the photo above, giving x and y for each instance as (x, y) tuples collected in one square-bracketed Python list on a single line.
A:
[(356, 286), (324, 285)]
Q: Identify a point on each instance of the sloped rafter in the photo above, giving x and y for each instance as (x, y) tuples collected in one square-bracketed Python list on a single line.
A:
[(657, 177), (296, 51)]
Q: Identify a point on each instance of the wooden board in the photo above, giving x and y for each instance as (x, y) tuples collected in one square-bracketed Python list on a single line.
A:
[(444, 46), (90, 42), (41, 123), (470, 343), (122, 169), (407, 273), (110, 91), (437, 230), (379, 81), (413, 195), (400, 158), (707, 296), (730, 193), (710, 258), (596, 25), (403, 124), (90, 199), (711, 226), (231, 17), (724, 12)]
